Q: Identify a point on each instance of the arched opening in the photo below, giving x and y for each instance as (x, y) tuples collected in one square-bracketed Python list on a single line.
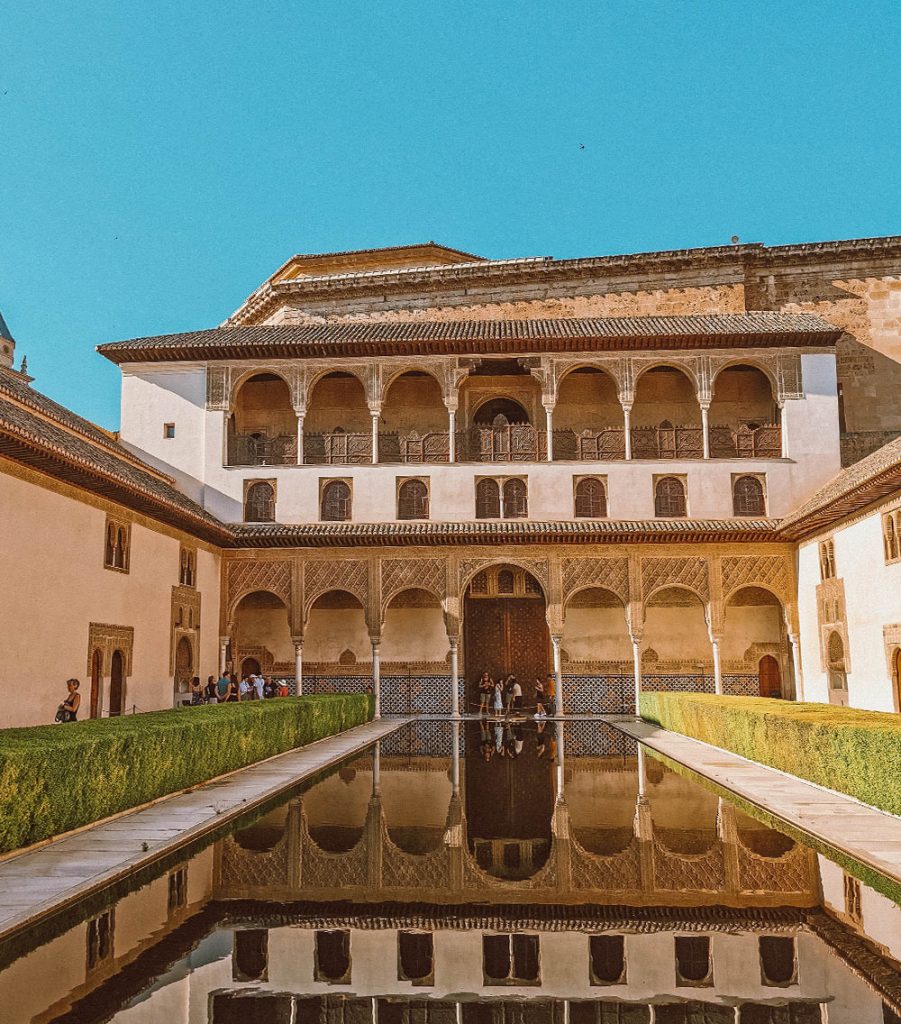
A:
[(666, 416), (597, 653), (676, 653), (669, 498), (184, 665), (753, 648), (501, 403), (414, 645), (413, 423), (96, 682), (262, 635), (683, 813), (488, 499), (262, 428), (259, 503), (336, 637), (335, 808), (499, 412), (743, 417), (748, 497), (413, 500), (117, 684), (590, 499), (516, 499), (335, 502), (588, 419), (837, 671), (265, 833), (338, 424)]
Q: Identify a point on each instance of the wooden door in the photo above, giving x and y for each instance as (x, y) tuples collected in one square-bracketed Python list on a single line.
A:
[(184, 665), (769, 677), (117, 684), (96, 680)]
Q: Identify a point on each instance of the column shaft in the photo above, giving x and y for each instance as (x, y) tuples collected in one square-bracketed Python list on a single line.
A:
[(223, 655), (452, 435), (717, 670), (783, 430), (558, 674), (376, 679), (794, 641), (636, 668), (298, 667), (455, 679), (300, 440), (705, 430), (375, 438), (549, 416), (627, 421)]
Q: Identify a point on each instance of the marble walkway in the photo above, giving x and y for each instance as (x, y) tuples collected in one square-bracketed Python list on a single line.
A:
[(870, 836), (41, 881)]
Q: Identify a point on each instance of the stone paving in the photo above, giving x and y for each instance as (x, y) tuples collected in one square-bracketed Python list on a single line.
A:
[(38, 882), (872, 837)]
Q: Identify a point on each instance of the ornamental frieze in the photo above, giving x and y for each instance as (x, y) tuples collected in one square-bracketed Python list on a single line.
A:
[(690, 572), (606, 573)]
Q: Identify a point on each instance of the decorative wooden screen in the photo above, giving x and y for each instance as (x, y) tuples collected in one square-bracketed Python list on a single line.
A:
[(413, 500), (488, 500), (669, 498), (591, 499), (516, 500), (747, 497), (259, 503), (336, 502)]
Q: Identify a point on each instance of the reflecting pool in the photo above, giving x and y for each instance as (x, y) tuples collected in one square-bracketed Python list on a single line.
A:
[(477, 872)]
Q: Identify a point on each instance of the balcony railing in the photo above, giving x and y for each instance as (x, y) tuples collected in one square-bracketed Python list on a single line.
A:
[(516, 442), (255, 450), (667, 443), (337, 449), (764, 442), (433, 446)]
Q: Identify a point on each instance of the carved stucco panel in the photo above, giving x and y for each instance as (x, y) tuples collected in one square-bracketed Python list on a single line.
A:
[(609, 573), (350, 574), (690, 572), (246, 576), (407, 573), (772, 572)]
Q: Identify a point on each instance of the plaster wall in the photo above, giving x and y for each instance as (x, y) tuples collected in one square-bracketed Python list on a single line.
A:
[(264, 623), (414, 634), (53, 550), (872, 601), (330, 631), (880, 917), (413, 404), (587, 401)]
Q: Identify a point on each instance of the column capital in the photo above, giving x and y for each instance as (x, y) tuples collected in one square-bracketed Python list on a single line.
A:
[(636, 636), (298, 642), (453, 641), (375, 408), (375, 641)]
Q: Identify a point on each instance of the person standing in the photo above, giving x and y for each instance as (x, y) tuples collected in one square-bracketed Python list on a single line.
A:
[(516, 694), (209, 691), (551, 693), (498, 698), (540, 711), (222, 688), (233, 692), (245, 690), (485, 689), (68, 710), (258, 685), (196, 691)]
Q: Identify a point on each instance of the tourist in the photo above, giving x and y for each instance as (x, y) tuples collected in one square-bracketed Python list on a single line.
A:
[(498, 697), (270, 689), (222, 688), (212, 697), (516, 692), (68, 710), (233, 693), (540, 711), (245, 690), (485, 689), (196, 691), (551, 693), (283, 690), (259, 685)]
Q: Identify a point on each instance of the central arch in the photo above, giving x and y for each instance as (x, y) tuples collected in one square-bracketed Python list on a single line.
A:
[(505, 630)]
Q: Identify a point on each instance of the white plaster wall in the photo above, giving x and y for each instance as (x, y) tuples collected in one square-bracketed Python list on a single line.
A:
[(872, 600), (52, 557), (414, 634), (881, 918), (333, 630)]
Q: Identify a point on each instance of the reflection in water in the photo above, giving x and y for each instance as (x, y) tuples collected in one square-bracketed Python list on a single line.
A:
[(461, 875)]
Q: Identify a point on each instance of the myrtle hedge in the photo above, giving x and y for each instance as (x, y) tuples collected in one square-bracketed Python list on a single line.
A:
[(846, 749), (59, 777)]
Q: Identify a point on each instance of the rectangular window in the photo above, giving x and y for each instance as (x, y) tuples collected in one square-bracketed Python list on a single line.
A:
[(608, 959), (415, 958), (852, 899), (187, 567), (777, 960), (117, 545), (250, 955), (891, 535), (510, 959), (693, 966), (168, 431), (178, 889), (332, 963), (827, 560), (100, 939)]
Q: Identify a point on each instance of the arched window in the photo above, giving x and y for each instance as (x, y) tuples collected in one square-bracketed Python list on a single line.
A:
[(110, 555), (259, 503), (516, 500), (121, 548), (488, 500), (413, 500), (747, 497), (591, 499), (505, 582), (335, 502), (669, 498), (186, 574)]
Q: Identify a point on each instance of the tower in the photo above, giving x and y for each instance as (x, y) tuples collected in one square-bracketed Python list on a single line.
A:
[(7, 344)]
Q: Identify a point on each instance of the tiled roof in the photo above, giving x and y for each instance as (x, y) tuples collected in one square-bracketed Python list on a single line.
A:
[(425, 337), (498, 530), (66, 450), (874, 477)]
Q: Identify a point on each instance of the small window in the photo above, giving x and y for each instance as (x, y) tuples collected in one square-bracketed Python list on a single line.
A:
[(747, 497), (333, 957), (608, 959), (168, 431), (178, 889), (516, 500), (187, 568), (505, 580), (488, 500), (590, 499), (116, 553), (335, 502), (827, 560), (510, 959), (777, 960), (693, 966), (250, 957), (669, 498), (891, 535), (853, 907), (259, 503), (100, 939), (413, 500), (415, 957)]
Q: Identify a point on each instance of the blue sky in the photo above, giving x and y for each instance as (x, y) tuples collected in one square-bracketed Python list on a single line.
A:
[(158, 161)]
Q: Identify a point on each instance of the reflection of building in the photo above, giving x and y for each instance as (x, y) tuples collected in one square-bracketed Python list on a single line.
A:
[(408, 465)]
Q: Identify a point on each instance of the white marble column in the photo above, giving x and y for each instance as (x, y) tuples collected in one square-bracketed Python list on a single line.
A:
[(223, 654), (549, 419), (300, 440), (455, 677), (376, 677), (452, 435), (558, 672), (376, 770), (375, 436), (705, 428), (636, 669), (642, 783), (795, 643), (298, 667), (455, 759), (560, 762), (783, 430), (627, 424), (717, 669)]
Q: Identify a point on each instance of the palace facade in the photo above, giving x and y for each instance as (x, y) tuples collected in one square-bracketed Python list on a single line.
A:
[(398, 468)]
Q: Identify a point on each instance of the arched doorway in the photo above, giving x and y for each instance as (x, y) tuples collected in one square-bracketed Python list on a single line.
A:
[(117, 684), (96, 682), (838, 677), (184, 665), (250, 666), (505, 630), (769, 677)]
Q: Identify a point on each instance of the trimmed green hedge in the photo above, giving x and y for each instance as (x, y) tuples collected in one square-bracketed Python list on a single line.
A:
[(852, 751), (54, 778)]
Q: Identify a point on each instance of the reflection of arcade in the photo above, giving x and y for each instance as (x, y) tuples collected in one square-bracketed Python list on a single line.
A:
[(509, 798), (505, 630)]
